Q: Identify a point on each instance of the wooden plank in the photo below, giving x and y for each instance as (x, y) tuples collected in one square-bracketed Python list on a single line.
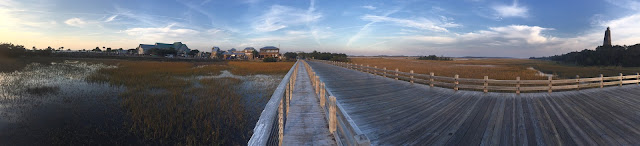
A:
[(502, 88), (537, 88), (565, 81), (564, 87)]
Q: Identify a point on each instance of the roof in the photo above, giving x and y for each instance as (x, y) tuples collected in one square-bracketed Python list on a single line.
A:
[(269, 48), (249, 48)]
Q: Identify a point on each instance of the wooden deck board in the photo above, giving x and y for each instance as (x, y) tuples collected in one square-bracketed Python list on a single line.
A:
[(306, 122), (392, 112)]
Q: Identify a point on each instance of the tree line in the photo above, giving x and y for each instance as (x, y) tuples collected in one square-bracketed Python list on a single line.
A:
[(318, 55), (434, 57), (626, 56), (325, 56)]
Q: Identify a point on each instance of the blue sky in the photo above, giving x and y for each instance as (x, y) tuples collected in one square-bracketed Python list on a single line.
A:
[(504, 28)]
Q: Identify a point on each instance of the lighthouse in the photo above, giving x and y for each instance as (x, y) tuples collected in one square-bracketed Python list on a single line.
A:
[(607, 38)]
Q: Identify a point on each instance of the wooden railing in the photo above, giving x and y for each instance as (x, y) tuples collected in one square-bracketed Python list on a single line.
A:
[(493, 85), (345, 131), (270, 127)]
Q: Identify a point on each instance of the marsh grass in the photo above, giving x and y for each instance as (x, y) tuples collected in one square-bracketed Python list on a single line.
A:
[(501, 69), (166, 108)]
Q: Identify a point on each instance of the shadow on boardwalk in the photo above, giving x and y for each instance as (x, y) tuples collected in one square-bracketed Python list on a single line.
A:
[(394, 112)]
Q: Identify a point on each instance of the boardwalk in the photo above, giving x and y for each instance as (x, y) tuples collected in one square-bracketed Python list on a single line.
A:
[(391, 112), (306, 122)]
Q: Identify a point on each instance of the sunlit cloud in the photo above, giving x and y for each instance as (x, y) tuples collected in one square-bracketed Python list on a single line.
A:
[(513, 10), (77, 22)]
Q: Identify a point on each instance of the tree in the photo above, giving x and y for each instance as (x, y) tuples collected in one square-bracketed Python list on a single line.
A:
[(97, 49), (291, 55), (256, 54), (193, 52), (109, 49)]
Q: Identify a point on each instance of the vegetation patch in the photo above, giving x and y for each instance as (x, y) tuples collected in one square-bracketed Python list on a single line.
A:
[(43, 90), (212, 113), (502, 69)]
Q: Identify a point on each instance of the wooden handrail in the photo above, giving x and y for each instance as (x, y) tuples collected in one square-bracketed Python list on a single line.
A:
[(270, 126), (487, 84)]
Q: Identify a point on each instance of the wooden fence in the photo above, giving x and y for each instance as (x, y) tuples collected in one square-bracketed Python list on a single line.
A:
[(341, 125), (492, 85), (270, 127)]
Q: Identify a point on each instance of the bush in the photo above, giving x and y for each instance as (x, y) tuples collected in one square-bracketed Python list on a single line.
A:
[(270, 59)]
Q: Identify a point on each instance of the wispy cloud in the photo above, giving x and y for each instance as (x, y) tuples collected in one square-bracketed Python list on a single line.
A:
[(513, 10), (419, 23), (628, 4), (366, 27), (109, 19), (279, 17), (370, 7)]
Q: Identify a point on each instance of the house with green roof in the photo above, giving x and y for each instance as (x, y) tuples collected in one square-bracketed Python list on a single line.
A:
[(182, 49)]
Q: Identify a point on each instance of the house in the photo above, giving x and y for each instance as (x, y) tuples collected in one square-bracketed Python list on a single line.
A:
[(248, 52), (233, 54), (270, 51), (181, 49), (215, 51)]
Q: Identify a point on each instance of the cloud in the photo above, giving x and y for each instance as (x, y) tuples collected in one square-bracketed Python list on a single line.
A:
[(509, 34), (513, 10), (624, 30), (279, 17), (419, 23), (161, 31), (77, 22), (628, 4), (370, 7), (111, 18)]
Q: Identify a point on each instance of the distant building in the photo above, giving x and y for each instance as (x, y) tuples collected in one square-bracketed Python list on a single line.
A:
[(607, 38), (182, 49), (215, 51), (248, 52), (269, 51)]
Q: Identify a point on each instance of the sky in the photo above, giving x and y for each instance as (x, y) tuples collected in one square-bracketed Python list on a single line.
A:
[(489, 28)]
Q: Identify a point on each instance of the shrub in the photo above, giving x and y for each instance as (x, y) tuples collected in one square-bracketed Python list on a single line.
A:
[(270, 59)]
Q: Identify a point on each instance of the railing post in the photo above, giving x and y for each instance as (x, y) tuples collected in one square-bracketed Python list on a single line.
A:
[(384, 72), (317, 85), (550, 83), (321, 90), (286, 96), (322, 98), (455, 86), (486, 84), (517, 85), (396, 73), (601, 80), (411, 76), (333, 121), (368, 69), (578, 82), (375, 71), (280, 124), (431, 74), (620, 85)]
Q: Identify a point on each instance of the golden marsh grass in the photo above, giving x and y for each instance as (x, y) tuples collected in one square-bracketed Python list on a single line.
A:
[(502, 69), (164, 104)]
